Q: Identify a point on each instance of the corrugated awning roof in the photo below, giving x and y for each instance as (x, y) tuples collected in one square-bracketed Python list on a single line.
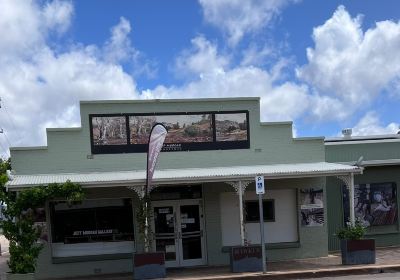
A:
[(188, 175)]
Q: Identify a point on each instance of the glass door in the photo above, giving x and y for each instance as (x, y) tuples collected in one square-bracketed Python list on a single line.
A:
[(165, 233), (191, 239), (178, 231)]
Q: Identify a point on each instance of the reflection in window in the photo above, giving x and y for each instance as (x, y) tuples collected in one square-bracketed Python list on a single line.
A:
[(92, 221)]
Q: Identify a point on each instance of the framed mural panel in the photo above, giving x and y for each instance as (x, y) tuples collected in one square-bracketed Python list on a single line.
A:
[(193, 131), (312, 207), (374, 204)]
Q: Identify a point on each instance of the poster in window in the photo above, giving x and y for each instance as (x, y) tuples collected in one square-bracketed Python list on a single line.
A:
[(312, 207), (110, 130), (374, 204), (231, 127)]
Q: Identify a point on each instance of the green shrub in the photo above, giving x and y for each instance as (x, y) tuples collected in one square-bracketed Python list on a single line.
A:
[(19, 223), (352, 232)]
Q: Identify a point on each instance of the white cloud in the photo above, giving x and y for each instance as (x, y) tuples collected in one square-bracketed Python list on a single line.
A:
[(42, 88), (370, 124), (236, 18), (351, 67), (202, 58), (57, 15), (279, 101)]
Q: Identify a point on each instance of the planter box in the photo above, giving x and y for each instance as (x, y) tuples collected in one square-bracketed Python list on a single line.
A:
[(149, 265), (17, 276), (246, 259), (358, 251)]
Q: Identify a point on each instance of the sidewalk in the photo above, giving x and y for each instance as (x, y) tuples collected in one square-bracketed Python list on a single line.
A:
[(387, 260)]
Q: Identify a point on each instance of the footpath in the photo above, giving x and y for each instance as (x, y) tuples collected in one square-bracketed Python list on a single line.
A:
[(387, 260)]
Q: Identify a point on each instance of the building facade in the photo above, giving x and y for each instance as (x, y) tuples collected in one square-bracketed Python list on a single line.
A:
[(376, 190), (203, 197)]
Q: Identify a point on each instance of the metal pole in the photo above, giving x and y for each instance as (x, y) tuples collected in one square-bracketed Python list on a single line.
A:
[(241, 213), (260, 206), (351, 198)]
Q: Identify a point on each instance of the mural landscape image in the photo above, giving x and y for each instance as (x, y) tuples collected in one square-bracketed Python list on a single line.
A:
[(181, 128), (231, 127), (109, 130)]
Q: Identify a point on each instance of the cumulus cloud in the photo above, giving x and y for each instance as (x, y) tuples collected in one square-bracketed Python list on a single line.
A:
[(40, 87), (202, 58), (236, 18), (350, 67), (279, 101), (370, 124)]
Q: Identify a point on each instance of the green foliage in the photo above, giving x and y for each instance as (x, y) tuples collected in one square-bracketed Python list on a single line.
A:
[(192, 131), (351, 232), (144, 213), (19, 223)]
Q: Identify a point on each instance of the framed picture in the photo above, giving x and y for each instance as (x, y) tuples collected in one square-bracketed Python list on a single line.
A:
[(374, 204), (312, 207), (192, 131)]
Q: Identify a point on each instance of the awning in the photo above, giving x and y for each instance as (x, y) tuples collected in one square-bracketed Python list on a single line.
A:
[(187, 175)]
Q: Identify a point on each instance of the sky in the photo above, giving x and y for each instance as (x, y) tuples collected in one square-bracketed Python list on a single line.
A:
[(325, 65)]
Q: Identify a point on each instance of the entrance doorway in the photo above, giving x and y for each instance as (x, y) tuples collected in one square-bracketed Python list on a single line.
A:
[(178, 230)]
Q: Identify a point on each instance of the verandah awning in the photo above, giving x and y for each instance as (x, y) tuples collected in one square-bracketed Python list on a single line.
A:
[(187, 175)]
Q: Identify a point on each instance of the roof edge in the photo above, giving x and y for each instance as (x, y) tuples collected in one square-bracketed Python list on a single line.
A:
[(28, 148), (276, 123), (62, 129), (186, 100)]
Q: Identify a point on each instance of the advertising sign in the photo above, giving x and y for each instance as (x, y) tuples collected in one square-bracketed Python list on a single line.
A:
[(156, 141)]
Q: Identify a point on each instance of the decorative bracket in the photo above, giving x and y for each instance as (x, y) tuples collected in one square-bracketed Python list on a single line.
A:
[(140, 190), (346, 179), (236, 186)]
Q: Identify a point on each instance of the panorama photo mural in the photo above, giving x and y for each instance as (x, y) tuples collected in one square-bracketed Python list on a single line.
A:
[(191, 131), (374, 204), (109, 130), (181, 128), (231, 127)]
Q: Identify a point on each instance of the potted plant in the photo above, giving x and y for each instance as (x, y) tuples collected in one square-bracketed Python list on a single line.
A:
[(147, 264), (19, 223), (354, 247)]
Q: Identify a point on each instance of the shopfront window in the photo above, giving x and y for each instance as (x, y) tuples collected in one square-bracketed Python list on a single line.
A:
[(106, 220), (252, 212)]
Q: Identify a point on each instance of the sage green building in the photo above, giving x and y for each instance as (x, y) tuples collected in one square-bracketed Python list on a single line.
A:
[(377, 195), (203, 191)]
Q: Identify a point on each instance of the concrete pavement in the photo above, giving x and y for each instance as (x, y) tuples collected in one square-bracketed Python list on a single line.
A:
[(387, 260)]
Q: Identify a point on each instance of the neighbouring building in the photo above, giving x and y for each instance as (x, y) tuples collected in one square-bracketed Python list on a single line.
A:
[(203, 196), (376, 190)]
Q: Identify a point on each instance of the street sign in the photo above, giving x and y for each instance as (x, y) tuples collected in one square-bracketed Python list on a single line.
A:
[(260, 185)]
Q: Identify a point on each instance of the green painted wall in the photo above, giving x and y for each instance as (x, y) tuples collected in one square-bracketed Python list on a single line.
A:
[(384, 235), (67, 149), (270, 143), (313, 241)]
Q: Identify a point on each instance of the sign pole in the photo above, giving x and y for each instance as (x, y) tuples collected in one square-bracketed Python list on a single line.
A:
[(260, 190)]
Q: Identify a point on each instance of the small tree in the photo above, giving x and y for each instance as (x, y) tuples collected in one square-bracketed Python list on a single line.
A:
[(19, 221)]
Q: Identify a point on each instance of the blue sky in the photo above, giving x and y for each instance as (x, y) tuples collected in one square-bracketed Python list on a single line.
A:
[(325, 65)]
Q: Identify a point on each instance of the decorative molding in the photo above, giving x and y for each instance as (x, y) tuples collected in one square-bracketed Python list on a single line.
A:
[(346, 179), (141, 189), (235, 185)]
